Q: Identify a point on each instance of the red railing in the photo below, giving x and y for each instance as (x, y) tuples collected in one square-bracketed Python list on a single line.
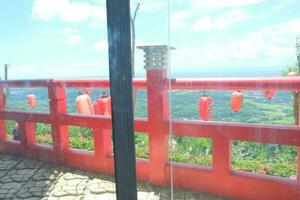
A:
[(219, 178)]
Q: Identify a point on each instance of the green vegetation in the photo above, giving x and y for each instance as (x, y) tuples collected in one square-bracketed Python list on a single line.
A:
[(141, 145), (81, 138), (191, 150), (292, 68), (270, 159)]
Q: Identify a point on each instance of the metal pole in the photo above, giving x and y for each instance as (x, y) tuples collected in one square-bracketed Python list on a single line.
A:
[(120, 73), (132, 20), (7, 89), (6, 71), (6, 78)]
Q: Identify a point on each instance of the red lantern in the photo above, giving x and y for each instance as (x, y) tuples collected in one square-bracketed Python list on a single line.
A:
[(237, 101), (103, 105), (83, 104), (205, 108), (96, 106), (31, 100), (269, 94)]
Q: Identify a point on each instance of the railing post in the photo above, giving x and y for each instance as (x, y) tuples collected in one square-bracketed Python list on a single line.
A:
[(27, 130), (102, 141), (158, 111), (221, 155), (3, 131), (60, 134)]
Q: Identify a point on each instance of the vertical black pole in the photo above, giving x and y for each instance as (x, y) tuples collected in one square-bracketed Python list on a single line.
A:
[(120, 74)]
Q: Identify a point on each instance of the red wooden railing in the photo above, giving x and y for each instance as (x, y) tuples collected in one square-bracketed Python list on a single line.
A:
[(219, 179)]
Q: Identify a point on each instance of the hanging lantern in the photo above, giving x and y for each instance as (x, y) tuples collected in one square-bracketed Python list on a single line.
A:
[(31, 100), (205, 108), (237, 101), (103, 105), (83, 104), (96, 106), (269, 94)]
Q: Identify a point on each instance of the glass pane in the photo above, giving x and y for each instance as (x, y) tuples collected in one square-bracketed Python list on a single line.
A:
[(150, 57), (234, 105), (58, 109)]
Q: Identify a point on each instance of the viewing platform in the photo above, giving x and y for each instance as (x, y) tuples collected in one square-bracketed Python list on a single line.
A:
[(219, 178), (26, 179)]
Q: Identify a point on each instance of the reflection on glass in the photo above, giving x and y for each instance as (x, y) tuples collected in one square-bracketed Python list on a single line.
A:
[(53, 50), (234, 98)]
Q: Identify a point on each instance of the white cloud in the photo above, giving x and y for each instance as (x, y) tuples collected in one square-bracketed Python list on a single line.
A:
[(68, 11), (203, 24), (73, 38), (231, 18), (152, 5), (178, 20), (102, 45), (270, 46), (96, 25), (69, 30), (66, 70), (283, 3), (211, 5), (207, 23)]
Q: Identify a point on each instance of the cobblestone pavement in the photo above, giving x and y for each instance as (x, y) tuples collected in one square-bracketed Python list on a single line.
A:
[(25, 179)]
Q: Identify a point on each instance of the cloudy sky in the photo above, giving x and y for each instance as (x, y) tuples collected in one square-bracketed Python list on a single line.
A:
[(68, 38)]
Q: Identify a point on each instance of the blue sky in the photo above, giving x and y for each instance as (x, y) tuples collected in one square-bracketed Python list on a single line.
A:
[(68, 38)]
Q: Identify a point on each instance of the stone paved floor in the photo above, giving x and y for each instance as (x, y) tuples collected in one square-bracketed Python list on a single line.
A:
[(26, 179)]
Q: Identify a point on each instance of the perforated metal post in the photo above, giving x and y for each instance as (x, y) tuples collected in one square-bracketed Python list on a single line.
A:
[(156, 63), (156, 56)]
